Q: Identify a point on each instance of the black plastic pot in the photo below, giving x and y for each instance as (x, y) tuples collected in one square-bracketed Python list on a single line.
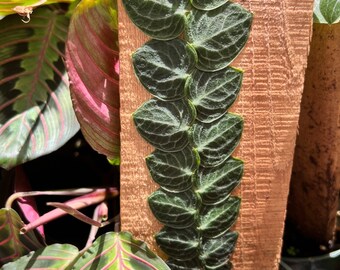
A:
[(330, 261)]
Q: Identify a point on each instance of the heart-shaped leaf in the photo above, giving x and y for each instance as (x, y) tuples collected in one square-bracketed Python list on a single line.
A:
[(14, 244), (160, 19), (193, 264), (36, 113), (182, 244), (216, 220), (212, 93), (56, 256), (176, 210), (215, 184), (216, 141), (216, 251), (165, 124), (207, 5), (119, 251), (92, 62), (173, 171), (218, 35), (164, 66)]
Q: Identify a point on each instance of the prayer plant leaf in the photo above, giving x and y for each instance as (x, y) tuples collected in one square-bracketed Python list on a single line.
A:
[(119, 251), (14, 244), (216, 141), (36, 113), (182, 244), (160, 19), (216, 220), (212, 93), (164, 66), (173, 171), (218, 35), (175, 210), (207, 5), (92, 62), (8, 7), (216, 251), (193, 264), (56, 256), (164, 124), (326, 11), (215, 184)]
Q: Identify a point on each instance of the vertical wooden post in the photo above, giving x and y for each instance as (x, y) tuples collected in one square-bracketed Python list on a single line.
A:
[(313, 199), (274, 62)]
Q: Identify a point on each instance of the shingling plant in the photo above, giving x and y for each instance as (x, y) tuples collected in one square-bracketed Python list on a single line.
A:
[(186, 67), (59, 72), (57, 78)]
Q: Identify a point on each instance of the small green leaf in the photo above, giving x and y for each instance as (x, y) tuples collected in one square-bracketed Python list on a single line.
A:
[(160, 19), (173, 171), (212, 93), (216, 251), (217, 219), (56, 256), (176, 210), (164, 124), (326, 11), (193, 264), (182, 244), (215, 142), (218, 35), (330, 9), (119, 251), (214, 185), (207, 5), (164, 66)]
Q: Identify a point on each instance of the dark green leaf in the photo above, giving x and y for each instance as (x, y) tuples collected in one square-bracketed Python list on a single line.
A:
[(214, 185), (212, 93), (165, 124), (182, 244), (217, 219), (56, 256), (160, 19), (207, 5), (36, 113), (173, 171), (218, 35), (216, 141), (14, 244), (216, 251), (119, 251), (176, 210), (193, 264), (164, 66)]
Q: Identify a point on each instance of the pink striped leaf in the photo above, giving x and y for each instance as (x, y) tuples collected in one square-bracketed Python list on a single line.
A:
[(13, 244), (36, 113), (56, 256), (92, 61), (119, 251)]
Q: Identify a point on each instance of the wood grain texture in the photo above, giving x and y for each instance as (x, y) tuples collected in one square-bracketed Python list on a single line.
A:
[(314, 190), (274, 63)]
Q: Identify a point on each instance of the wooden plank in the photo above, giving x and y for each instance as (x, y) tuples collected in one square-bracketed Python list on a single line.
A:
[(274, 62)]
